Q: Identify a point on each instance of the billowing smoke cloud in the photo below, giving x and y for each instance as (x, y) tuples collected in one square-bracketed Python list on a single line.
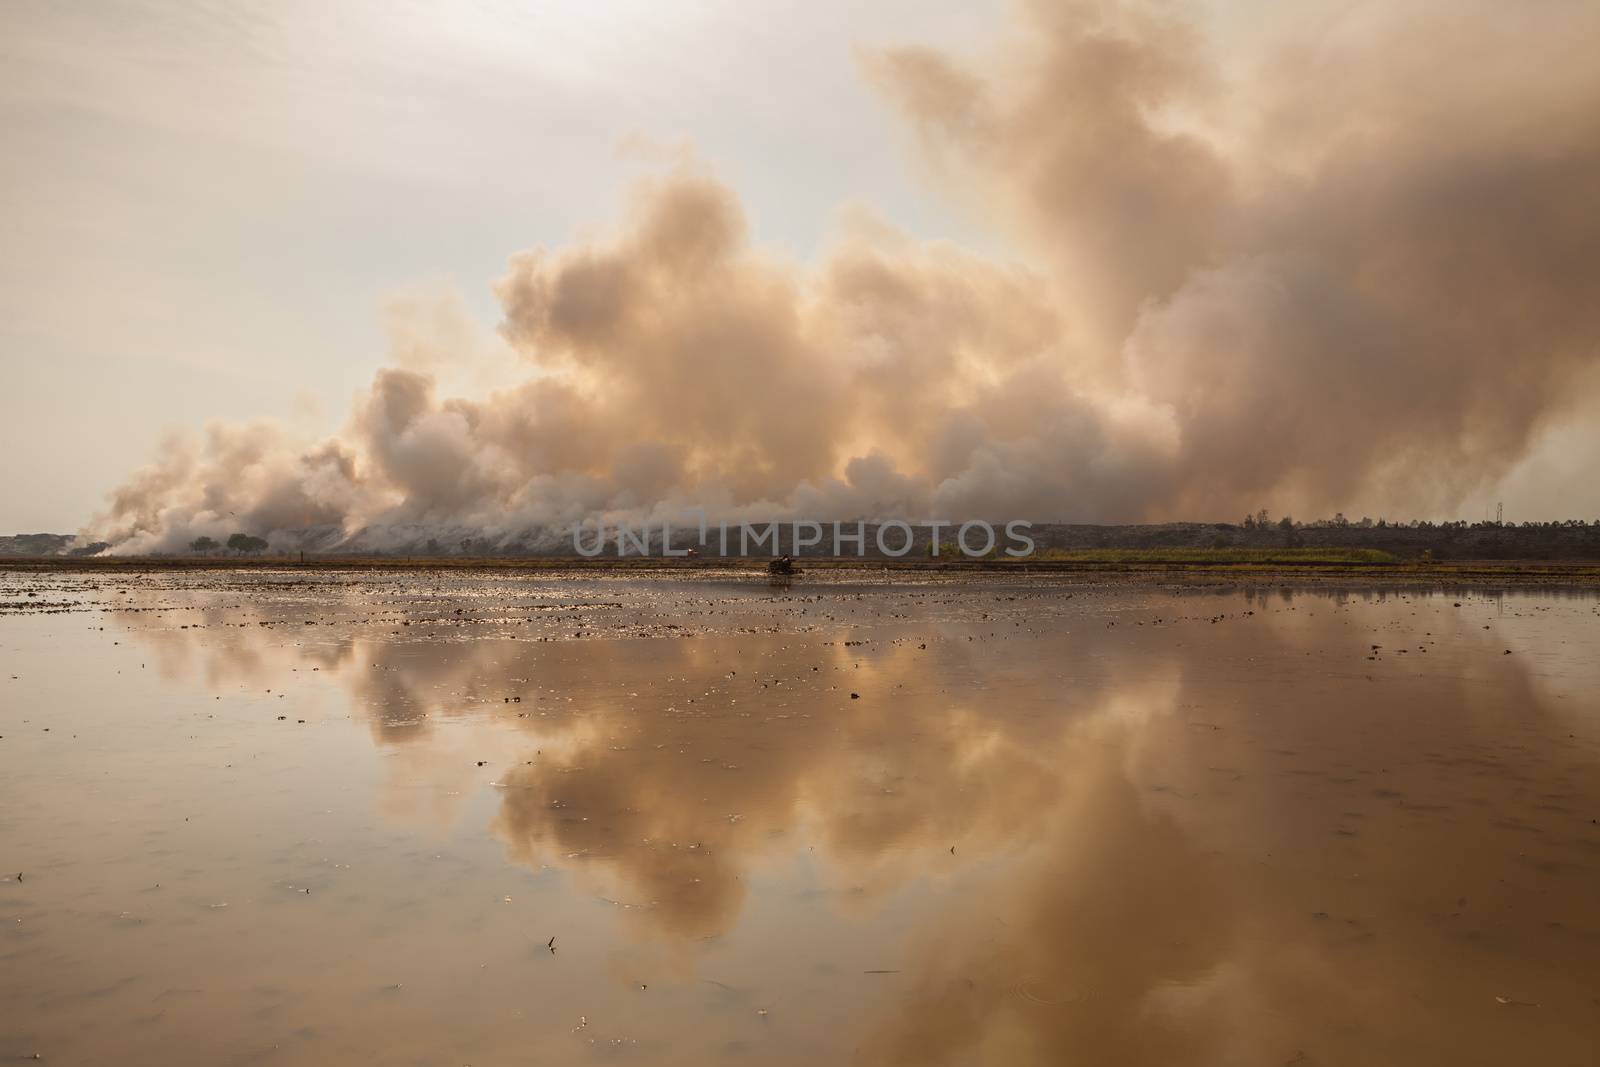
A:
[(1355, 270)]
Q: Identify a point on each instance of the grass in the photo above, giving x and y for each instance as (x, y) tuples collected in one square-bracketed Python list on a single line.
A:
[(1266, 557)]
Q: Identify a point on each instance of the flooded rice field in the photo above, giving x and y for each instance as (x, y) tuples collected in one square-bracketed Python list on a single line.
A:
[(462, 818)]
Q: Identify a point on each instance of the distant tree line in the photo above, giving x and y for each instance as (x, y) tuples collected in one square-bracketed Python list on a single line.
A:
[(1262, 521), (1421, 538), (1410, 539)]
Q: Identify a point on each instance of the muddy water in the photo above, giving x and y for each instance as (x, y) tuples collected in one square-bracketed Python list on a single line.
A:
[(337, 819)]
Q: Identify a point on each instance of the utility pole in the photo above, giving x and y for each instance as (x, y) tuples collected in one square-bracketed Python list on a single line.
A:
[(1500, 514)]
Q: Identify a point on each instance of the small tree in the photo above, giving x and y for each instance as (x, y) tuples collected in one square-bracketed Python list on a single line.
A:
[(243, 542), (203, 545)]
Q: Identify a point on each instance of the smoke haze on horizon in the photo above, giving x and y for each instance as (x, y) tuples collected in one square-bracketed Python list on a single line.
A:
[(1353, 273)]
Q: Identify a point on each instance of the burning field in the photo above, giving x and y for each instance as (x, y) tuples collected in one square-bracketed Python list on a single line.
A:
[(1351, 269), (989, 533)]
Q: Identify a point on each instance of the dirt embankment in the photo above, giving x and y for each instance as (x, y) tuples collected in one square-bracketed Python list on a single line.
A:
[(1110, 567)]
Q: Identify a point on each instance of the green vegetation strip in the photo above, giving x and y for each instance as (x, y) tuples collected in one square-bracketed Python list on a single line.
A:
[(1261, 556)]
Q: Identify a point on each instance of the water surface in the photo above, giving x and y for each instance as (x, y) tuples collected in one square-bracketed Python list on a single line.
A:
[(420, 818)]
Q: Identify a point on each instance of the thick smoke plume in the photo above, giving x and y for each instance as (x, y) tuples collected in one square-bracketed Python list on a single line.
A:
[(1355, 269)]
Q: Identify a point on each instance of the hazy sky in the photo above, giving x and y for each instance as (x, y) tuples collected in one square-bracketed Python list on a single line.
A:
[(205, 206), (205, 203)]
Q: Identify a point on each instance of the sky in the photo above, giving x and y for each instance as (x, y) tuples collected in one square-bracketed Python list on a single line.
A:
[(219, 213), (206, 205)]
